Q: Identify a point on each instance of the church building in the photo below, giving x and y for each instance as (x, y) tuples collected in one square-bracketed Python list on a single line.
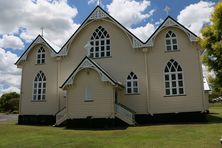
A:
[(104, 71)]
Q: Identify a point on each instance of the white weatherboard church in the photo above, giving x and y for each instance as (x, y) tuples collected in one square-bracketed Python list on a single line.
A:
[(105, 72)]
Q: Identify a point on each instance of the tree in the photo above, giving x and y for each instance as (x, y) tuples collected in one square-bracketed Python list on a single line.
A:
[(212, 43), (9, 102)]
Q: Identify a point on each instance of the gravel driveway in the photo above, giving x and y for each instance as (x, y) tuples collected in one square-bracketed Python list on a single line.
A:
[(8, 117)]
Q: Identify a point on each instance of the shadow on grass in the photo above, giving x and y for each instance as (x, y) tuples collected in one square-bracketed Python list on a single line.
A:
[(95, 124), (97, 128), (211, 118), (177, 119), (168, 119)]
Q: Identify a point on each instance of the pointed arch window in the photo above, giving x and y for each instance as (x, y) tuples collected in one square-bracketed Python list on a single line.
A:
[(40, 59), (132, 84), (173, 74), (171, 41), (39, 87), (100, 43)]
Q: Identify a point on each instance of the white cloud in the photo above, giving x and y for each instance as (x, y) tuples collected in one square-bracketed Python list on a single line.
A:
[(159, 22), (11, 41), (97, 2), (28, 16), (10, 74), (143, 32), (25, 18), (94, 2), (129, 12), (196, 15), (9, 89)]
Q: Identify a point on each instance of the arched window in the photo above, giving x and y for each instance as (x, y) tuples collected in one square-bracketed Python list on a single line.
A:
[(173, 79), (39, 87), (132, 84), (171, 41), (100, 42), (40, 56)]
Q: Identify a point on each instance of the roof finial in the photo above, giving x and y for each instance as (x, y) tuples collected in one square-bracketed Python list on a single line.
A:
[(99, 2), (167, 9), (42, 29)]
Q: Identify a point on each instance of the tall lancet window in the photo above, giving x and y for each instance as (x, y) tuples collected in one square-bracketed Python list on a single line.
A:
[(174, 84), (39, 87), (40, 59), (171, 41), (100, 43), (132, 84)]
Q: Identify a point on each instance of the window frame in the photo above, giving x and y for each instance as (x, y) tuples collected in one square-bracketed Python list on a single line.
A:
[(171, 38), (132, 87), (100, 44), (88, 95), (176, 80), (42, 87), (40, 56)]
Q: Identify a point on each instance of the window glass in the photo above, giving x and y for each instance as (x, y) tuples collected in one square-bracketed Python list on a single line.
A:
[(100, 42), (171, 41), (40, 58), (39, 87), (132, 84), (173, 77)]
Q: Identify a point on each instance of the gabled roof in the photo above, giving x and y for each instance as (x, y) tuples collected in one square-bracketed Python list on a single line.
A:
[(99, 13), (53, 45), (38, 40), (170, 22), (88, 63)]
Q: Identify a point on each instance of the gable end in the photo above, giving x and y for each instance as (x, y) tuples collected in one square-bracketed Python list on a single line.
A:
[(38, 41), (170, 22)]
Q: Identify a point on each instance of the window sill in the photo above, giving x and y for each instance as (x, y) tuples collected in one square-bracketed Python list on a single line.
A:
[(100, 57), (166, 51), (38, 101), (40, 64), (88, 100), (175, 95), (133, 94)]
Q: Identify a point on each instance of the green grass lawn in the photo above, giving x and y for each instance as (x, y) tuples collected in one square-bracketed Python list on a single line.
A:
[(197, 135)]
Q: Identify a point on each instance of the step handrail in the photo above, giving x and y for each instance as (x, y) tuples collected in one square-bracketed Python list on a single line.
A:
[(132, 113), (127, 108), (60, 110), (58, 116)]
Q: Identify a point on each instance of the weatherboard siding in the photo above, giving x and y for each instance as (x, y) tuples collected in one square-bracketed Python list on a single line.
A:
[(187, 57), (102, 104), (30, 70), (124, 59)]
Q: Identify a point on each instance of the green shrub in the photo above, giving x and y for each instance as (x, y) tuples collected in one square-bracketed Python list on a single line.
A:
[(9, 102)]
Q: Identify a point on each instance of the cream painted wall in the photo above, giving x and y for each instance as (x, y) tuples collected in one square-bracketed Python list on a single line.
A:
[(188, 58), (102, 105), (124, 59), (30, 70)]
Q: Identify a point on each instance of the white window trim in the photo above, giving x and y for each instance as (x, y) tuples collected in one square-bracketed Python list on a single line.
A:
[(88, 94), (35, 99), (171, 42), (132, 86), (99, 40), (177, 82), (39, 56)]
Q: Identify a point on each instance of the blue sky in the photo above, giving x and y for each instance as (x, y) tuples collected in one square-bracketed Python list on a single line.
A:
[(21, 21)]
